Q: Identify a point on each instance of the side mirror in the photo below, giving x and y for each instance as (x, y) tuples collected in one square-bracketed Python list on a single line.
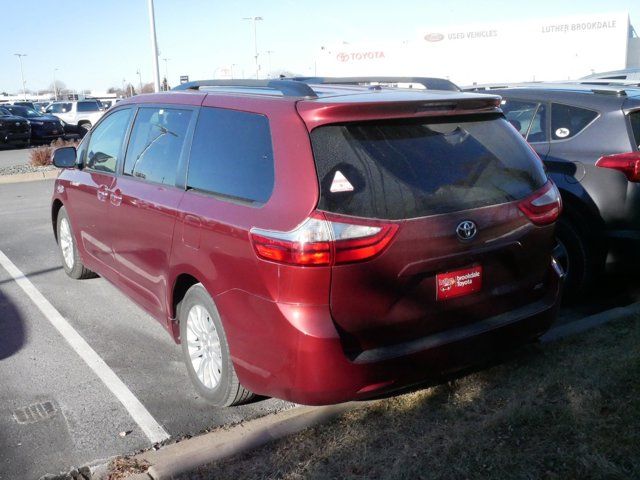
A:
[(65, 157)]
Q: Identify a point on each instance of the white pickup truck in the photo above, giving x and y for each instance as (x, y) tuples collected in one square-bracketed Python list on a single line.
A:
[(80, 113)]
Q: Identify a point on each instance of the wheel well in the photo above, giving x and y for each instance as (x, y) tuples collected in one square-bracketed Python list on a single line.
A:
[(183, 283), (55, 208)]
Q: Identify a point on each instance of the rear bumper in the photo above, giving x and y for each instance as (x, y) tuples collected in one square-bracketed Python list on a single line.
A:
[(295, 353)]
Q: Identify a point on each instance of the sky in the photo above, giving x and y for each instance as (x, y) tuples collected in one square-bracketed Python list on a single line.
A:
[(97, 44)]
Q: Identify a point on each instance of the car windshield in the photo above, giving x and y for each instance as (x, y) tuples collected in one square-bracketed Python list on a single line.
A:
[(4, 112), (24, 112)]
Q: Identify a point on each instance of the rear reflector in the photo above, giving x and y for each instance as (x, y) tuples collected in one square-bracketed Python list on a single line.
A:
[(627, 163), (543, 206), (323, 239)]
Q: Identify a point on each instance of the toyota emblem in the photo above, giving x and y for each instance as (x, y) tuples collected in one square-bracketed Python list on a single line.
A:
[(466, 230)]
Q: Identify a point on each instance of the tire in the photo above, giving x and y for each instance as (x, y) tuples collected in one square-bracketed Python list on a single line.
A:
[(69, 255), (578, 255), (212, 372)]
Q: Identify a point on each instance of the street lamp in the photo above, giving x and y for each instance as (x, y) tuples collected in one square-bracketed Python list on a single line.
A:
[(255, 41), (24, 90), (154, 47), (55, 84), (139, 80)]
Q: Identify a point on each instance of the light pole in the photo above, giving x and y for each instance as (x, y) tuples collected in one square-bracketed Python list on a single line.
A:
[(55, 84), (154, 47), (232, 65), (166, 71), (255, 41), (139, 80), (269, 52), (24, 90)]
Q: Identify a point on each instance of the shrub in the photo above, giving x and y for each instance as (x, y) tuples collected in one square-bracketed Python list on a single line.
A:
[(43, 156)]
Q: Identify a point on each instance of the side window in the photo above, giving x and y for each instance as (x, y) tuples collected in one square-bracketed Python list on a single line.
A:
[(567, 121), (232, 155), (88, 106), (538, 129), (519, 113), (105, 142), (156, 144)]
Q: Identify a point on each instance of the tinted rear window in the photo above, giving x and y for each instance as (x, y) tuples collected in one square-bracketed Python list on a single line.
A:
[(397, 170), (634, 117), (231, 155), (567, 120), (88, 106)]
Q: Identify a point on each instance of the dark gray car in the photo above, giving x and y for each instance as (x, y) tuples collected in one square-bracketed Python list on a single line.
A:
[(588, 137)]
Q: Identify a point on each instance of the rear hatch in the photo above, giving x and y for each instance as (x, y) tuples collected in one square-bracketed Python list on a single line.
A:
[(454, 189)]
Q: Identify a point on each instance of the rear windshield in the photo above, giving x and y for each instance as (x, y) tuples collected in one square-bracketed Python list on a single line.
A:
[(404, 169), (634, 117)]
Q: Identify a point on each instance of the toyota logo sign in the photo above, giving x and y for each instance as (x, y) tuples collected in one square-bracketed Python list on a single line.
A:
[(466, 230)]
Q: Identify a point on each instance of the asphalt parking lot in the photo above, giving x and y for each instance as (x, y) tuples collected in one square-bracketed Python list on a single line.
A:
[(55, 411), (12, 157), (76, 418)]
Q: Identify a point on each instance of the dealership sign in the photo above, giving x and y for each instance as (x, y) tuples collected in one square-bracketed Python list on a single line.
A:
[(544, 49)]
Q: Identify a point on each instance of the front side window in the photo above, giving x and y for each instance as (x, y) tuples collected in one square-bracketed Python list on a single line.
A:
[(106, 140), (567, 121), (232, 155), (59, 108), (519, 114), (156, 144), (538, 129)]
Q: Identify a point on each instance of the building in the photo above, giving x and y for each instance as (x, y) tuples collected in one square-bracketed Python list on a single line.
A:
[(544, 49)]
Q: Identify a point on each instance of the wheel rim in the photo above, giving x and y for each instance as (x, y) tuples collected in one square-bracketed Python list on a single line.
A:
[(203, 345), (66, 243)]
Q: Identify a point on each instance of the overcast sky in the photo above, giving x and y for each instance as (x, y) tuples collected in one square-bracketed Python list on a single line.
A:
[(96, 44)]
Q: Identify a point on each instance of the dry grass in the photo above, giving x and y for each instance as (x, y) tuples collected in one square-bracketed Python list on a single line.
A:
[(563, 411), (122, 467), (43, 156)]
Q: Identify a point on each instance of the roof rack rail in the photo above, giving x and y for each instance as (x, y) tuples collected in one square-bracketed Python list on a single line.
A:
[(427, 82), (618, 92), (287, 88)]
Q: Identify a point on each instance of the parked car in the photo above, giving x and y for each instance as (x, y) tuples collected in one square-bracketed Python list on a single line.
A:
[(317, 243), (588, 137), (14, 130), (25, 104), (44, 128), (628, 74), (77, 113)]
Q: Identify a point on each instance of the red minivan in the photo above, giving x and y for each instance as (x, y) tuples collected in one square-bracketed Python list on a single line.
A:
[(315, 240)]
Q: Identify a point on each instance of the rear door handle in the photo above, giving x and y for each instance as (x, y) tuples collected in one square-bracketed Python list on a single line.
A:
[(116, 197)]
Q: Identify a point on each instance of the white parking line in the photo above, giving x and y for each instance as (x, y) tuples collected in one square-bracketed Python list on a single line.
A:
[(151, 428)]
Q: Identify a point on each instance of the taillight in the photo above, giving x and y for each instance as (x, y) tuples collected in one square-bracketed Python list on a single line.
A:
[(543, 206), (323, 239), (627, 163)]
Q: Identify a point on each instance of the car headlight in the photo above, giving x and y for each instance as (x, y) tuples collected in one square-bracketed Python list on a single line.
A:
[(36, 123), (62, 123)]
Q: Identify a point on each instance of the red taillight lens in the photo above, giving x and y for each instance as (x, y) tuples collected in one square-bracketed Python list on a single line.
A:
[(627, 163), (323, 240), (543, 206)]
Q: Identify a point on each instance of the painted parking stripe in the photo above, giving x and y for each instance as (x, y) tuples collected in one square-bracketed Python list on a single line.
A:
[(151, 428)]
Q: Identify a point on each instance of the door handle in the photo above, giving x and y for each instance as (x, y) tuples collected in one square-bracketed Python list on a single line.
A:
[(116, 197), (103, 193)]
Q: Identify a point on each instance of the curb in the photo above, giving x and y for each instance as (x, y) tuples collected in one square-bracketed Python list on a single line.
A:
[(29, 177), (186, 456), (587, 323)]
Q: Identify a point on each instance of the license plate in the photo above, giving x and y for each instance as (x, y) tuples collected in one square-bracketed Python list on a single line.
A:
[(458, 283)]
